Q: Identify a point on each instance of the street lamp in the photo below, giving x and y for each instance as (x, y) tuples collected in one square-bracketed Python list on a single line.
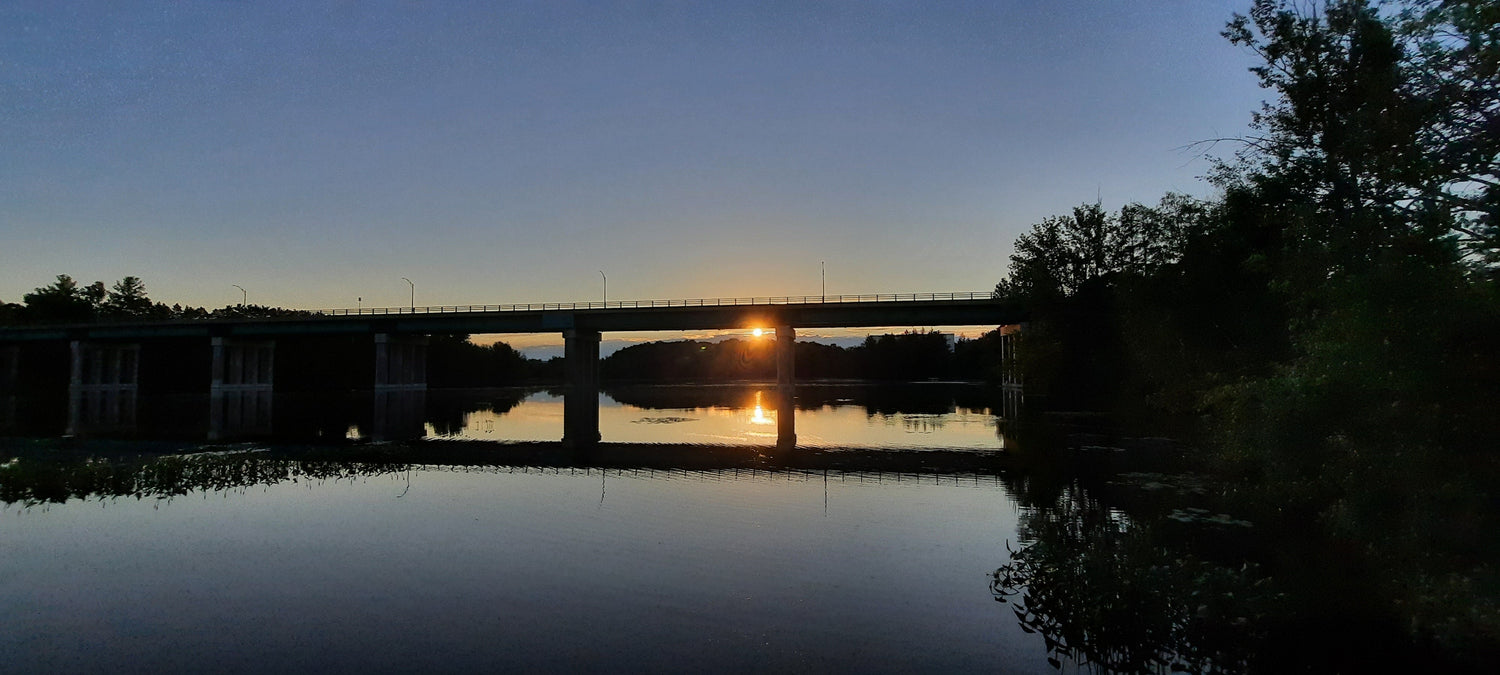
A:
[(606, 286), (243, 294), (824, 269), (413, 293)]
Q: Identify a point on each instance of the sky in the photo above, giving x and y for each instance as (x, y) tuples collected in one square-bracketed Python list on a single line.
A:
[(314, 153)]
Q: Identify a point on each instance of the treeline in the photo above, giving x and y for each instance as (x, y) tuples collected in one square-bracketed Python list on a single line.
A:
[(1329, 320), (909, 356), (454, 361), (64, 301)]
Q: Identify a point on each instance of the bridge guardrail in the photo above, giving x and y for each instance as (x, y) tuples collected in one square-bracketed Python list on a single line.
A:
[(637, 304)]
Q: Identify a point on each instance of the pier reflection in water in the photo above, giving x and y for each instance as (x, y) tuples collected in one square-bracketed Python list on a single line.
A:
[(817, 416), (932, 415)]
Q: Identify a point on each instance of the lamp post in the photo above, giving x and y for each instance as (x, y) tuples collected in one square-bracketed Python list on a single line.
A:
[(606, 287), (413, 293), (823, 268), (243, 294)]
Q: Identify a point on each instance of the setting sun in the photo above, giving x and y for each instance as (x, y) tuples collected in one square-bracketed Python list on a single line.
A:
[(758, 332)]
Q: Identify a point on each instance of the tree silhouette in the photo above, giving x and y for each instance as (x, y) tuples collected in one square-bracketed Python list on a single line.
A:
[(63, 301), (1384, 133), (128, 299), (1326, 323)]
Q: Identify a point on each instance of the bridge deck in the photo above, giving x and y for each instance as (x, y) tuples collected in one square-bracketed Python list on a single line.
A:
[(843, 311)]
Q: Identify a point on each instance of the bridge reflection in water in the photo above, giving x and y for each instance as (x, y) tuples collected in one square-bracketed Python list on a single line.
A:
[(725, 431), (932, 415)]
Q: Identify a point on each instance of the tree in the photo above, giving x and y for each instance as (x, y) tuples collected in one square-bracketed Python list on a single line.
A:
[(1145, 239), (1057, 256), (1454, 51), (63, 301), (1385, 136), (128, 299), (1061, 254), (10, 313)]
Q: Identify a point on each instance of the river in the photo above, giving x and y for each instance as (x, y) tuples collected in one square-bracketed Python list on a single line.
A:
[(686, 540)]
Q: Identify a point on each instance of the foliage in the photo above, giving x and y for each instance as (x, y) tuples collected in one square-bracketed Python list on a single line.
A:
[(1385, 129), (909, 356), (912, 355), (1454, 49), (245, 312), (127, 299), (64, 301), (454, 361), (1103, 593), (11, 313), (1331, 315), (1063, 255)]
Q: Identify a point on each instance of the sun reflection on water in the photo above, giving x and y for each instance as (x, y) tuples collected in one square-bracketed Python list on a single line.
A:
[(758, 413)]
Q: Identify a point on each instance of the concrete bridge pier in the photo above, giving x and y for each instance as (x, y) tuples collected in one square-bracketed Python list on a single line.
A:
[(786, 356), (581, 397), (400, 362), (103, 387), (1009, 369), (1012, 382), (241, 387), (400, 400), (786, 387)]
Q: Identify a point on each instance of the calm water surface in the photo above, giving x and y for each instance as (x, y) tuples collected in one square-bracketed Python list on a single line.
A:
[(267, 558), (920, 416)]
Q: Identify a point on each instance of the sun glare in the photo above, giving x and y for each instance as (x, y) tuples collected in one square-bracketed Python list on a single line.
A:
[(758, 416)]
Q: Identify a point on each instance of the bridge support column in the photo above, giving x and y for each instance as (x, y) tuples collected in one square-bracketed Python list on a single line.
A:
[(786, 356), (239, 394), (581, 398), (400, 362), (400, 405), (102, 387), (1009, 369), (1011, 380), (786, 387)]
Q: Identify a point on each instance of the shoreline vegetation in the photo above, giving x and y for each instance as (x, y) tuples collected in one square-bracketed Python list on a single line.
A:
[(1326, 327)]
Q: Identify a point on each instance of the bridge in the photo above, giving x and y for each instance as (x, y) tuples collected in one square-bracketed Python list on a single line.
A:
[(104, 374)]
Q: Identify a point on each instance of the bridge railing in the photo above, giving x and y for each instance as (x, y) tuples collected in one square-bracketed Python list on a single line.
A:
[(635, 304)]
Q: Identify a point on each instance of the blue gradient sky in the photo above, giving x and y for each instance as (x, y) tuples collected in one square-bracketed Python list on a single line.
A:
[(317, 152)]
